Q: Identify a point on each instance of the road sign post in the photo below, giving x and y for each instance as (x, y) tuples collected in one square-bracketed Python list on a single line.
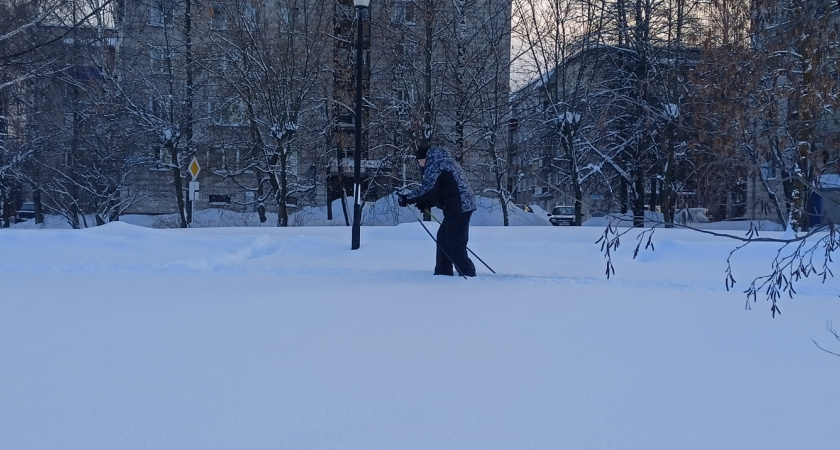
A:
[(194, 169)]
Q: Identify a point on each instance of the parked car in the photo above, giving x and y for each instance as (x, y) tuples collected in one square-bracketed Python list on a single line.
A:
[(562, 215), (26, 212), (692, 215)]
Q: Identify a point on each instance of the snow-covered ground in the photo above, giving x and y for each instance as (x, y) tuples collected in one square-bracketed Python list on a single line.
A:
[(131, 337)]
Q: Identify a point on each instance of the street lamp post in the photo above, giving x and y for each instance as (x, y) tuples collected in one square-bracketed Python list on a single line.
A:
[(360, 5)]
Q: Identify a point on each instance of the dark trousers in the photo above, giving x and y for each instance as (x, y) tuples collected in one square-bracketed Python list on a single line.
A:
[(452, 237)]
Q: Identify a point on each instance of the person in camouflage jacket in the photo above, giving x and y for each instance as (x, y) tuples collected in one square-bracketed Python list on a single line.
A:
[(445, 186)]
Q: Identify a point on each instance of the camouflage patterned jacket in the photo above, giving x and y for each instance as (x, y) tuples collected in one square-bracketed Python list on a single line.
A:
[(444, 185)]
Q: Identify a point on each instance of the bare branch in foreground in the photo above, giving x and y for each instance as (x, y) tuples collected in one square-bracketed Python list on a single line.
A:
[(800, 256), (829, 326)]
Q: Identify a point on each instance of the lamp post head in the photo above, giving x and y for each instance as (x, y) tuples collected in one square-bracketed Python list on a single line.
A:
[(361, 3)]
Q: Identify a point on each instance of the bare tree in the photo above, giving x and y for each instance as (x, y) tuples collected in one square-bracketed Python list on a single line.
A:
[(479, 87), (155, 78), (560, 51), (775, 114), (274, 80), (725, 147), (411, 69), (446, 68), (33, 37), (413, 64), (84, 167), (647, 63), (19, 63), (795, 106)]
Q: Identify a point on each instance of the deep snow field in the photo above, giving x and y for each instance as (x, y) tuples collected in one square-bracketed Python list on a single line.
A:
[(131, 337)]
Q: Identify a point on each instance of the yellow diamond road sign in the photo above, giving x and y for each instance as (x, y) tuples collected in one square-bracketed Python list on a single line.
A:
[(194, 168)]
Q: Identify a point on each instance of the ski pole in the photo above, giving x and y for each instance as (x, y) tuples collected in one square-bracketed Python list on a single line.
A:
[(440, 247), (471, 252)]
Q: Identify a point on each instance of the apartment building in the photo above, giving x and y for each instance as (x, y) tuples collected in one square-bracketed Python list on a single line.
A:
[(576, 140), (260, 94), (796, 129)]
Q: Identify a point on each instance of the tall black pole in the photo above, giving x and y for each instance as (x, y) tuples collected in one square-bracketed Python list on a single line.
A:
[(357, 154)]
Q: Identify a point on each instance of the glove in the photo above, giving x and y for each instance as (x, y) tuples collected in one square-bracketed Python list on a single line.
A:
[(422, 206), (402, 200)]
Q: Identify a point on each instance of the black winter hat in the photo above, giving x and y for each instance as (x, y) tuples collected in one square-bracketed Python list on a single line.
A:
[(421, 152)]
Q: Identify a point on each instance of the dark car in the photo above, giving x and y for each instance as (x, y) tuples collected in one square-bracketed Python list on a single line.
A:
[(26, 211)]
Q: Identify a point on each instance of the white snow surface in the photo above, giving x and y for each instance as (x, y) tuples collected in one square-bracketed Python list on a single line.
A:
[(129, 337)]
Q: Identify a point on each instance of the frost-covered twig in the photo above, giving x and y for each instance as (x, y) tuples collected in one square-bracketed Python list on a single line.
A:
[(829, 326), (611, 240), (791, 264), (800, 256)]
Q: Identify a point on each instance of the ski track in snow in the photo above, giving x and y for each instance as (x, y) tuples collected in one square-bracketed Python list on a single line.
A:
[(235, 263), (280, 256)]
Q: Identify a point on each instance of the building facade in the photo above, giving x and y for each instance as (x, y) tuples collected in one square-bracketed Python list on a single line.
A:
[(796, 130), (578, 142), (260, 93)]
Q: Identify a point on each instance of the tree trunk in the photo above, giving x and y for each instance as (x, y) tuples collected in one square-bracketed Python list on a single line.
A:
[(188, 99), (178, 181), (668, 193), (638, 198), (425, 139), (282, 211)]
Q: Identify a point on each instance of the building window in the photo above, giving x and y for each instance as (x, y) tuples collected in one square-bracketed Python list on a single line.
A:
[(69, 119), (159, 107), (292, 163), (162, 157), (288, 16), (230, 63), (404, 96), (250, 203), (406, 53), (768, 169), (160, 13), (159, 60), (218, 16), (219, 199), (249, 15), (228, 112), (230, 157), (404, 12), (403, 99)]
